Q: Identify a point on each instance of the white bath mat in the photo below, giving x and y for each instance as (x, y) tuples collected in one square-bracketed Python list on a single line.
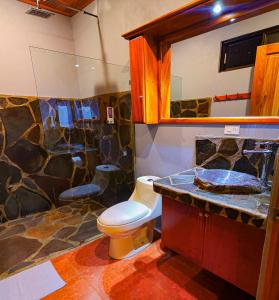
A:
[(31, 284)]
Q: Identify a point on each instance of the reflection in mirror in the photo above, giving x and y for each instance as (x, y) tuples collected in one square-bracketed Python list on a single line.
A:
[(212, 74)]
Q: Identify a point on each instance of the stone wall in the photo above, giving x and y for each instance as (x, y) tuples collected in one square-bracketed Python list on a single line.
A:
[(36, 162), (226, 153), (192, 108)]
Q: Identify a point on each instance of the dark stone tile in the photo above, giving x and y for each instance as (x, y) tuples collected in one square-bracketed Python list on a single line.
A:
[(10, 231), (52, 247), (203, 108), (245, 218), (175, 108), (79, 177), (35, 106), (34, 134), (20, 247), (65, 232), (204, 150), (189, 104), (16, 121), (52, 137), (29, 157), (3, 103), (19, 266), (17, 100), (8, 175), (29, 183), (126, 162), (12, 209), (31, 202), (188, 114), (218, 163), (228, 147), (60, 166), (258, 222), (125, 111), (215, 208), (114, 149), (53, 187), (86, 231), (243, 165), (231, 213), (125, 135), (249, 144)]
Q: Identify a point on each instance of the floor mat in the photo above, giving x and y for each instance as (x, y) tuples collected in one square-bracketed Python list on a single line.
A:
[(28, 241), (31, 284)]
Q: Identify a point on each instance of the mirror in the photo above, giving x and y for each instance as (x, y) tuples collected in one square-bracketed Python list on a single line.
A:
[(212, 73)]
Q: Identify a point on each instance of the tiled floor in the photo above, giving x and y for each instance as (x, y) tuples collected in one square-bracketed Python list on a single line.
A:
[(33, 239), (152, 274)]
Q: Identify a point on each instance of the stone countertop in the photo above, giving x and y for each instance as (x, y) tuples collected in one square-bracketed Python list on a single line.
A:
[(249, 209)]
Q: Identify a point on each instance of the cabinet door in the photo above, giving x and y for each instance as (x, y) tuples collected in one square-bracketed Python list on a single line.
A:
[(233, 251), (183, 229), (137, 79), (265, 92)]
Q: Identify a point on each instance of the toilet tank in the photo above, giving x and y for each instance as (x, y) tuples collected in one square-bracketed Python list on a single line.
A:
[(144, 194)]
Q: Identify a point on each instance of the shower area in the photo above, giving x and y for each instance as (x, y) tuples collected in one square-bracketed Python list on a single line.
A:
[(77, 130)]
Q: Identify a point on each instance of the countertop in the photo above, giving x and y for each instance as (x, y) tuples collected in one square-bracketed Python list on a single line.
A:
[(249, 209)]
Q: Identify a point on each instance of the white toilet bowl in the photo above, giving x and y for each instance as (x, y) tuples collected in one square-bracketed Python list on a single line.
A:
[(130, 224)]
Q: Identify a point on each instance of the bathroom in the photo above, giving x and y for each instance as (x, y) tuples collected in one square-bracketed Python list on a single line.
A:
[(138, 158)]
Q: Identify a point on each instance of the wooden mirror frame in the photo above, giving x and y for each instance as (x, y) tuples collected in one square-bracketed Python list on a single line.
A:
[(190, 20)]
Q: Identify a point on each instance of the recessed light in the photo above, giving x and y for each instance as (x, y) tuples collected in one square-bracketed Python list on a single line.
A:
[(217, 9), (77, 65), (232, 20)]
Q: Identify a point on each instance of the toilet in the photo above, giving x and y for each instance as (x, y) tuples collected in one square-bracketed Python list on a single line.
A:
[(130, 224)]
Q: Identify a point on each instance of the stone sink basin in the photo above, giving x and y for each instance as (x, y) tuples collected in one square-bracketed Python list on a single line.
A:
[(227, 182)]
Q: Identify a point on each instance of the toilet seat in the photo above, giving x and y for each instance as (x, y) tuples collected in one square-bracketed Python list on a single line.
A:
[(123, 213)]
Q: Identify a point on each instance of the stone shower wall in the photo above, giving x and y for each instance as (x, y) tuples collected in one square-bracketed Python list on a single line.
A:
[(226, 153), (192, 108), (34, 169)]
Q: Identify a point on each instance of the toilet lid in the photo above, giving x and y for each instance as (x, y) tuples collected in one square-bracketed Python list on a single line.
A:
[(123, 213)]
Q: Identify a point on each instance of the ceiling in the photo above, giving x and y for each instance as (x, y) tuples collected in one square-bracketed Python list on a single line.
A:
[(56, 8)]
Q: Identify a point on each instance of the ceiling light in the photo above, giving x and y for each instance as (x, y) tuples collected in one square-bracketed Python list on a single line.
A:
[(217, 9), (232, 20), (77, 65)]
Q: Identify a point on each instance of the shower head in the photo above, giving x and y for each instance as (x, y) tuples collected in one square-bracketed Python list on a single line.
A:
[(38, 12)]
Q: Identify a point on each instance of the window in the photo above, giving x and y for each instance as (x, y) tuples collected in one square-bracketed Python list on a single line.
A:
[(64, 114), (240, 52), (87, 109)]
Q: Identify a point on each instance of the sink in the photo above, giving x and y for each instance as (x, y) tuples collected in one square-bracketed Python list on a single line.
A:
[(227, 182)]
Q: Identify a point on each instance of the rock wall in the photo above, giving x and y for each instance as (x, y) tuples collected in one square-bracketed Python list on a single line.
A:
[(227, 153), (192, 108), (36, 162)]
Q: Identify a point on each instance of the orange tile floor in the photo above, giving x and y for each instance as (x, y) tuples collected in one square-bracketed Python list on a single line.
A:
[(151, 274)]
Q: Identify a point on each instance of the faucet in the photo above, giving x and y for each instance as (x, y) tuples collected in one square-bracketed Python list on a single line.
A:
[(267, 153)]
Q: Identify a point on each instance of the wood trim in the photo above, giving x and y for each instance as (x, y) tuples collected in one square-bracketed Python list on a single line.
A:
[(232, 97), (231, 120), (196, 6), (166, 17), (268, 287), (137, 78), (165, 82), (151, 78)]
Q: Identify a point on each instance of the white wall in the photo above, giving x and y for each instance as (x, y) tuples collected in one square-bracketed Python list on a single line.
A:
[(18, 32)]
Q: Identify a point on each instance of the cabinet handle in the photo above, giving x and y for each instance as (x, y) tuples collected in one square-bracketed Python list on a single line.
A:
[(206, 215), (200, 214)]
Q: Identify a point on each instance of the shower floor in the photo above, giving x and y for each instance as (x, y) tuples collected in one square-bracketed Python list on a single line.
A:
[(28, 241)]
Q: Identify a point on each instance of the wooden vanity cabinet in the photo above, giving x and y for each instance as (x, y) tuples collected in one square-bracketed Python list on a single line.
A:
[(229, 249), (144, 80)]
